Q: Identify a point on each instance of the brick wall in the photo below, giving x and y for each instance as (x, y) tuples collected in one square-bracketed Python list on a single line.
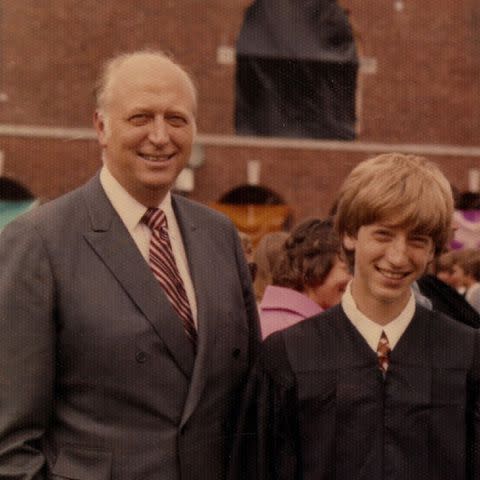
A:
[(306, 179), (425, 89)]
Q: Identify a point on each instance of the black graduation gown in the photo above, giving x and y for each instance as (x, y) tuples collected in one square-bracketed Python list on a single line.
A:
[(317, 407)]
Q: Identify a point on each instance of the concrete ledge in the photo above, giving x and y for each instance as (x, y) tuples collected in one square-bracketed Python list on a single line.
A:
[(72, 134)]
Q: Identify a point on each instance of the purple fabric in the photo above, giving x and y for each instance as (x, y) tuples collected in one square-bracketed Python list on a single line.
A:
[(282, 307), (467, 229), (471, 215)]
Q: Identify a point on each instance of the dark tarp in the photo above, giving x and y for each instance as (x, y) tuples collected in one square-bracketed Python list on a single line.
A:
[(15, 199), (14, 191), (296, 70), (251, 195)]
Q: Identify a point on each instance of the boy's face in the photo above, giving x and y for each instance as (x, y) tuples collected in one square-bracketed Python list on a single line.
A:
[(388, 259)]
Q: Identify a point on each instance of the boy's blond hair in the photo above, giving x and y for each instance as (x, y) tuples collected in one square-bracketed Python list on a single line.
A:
[(407, 188)]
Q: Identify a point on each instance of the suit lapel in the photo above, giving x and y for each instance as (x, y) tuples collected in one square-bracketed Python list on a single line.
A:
[(113, 244), (197, 248)]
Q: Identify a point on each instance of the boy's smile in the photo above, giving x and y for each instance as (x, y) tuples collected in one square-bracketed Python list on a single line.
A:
[(388, 259)]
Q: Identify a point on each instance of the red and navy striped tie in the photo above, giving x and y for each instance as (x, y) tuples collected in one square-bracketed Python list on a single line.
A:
[(162, 263)]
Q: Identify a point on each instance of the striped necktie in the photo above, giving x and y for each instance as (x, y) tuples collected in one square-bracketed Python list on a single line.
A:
[(163, 266)]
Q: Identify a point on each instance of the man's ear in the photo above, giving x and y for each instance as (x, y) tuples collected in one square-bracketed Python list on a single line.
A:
[(349, 243), (100, 127)]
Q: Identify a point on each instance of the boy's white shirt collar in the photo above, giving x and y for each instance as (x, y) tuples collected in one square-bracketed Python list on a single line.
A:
[(370, 330)]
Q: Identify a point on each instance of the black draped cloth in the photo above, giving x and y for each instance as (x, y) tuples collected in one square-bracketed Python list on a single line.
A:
[(296, 70)]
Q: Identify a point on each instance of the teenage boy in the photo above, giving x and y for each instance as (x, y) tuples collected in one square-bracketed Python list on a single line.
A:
[(377, 387)]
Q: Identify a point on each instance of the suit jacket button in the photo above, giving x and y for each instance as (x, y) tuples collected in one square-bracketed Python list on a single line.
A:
[(141, 357), (236, 353)]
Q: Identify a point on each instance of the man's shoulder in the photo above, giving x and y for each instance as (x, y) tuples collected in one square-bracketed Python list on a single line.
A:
[(441, 322), (64, 202), (55, 214), (320, 325), (200, 211), (311, 343), (201, 214), (306, 347), (449, 338)]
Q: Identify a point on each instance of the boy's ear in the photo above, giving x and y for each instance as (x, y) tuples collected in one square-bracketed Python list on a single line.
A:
[(349, 243)]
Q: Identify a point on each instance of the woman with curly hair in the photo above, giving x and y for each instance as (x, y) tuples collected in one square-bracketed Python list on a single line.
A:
[(308, 278)]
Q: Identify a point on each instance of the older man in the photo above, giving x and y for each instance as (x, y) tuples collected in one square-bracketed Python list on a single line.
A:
[(127, 315)]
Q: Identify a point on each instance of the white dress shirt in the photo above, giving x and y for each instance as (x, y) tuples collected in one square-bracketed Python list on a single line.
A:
[(131, 212), (372, 331)]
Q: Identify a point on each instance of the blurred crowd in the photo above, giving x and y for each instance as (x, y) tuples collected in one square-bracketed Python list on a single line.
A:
[(300, 273)]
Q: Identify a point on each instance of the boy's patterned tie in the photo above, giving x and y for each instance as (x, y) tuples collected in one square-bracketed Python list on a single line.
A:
[(383, 353)]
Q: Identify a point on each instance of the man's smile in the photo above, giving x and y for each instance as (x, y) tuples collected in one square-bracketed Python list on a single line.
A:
[(156, 157)]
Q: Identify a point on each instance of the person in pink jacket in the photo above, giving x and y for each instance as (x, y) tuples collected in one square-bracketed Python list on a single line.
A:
[(308, 278)]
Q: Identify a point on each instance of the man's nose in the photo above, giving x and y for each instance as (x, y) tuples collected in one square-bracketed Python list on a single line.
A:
[(159, 131)]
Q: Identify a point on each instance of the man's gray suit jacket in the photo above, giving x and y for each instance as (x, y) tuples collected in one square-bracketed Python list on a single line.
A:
[(97, 378)]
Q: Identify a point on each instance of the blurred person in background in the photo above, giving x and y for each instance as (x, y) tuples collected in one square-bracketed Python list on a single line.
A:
[(308, 278), (265, 256), (444, 271), (441, 286), (247, 247), (467, 271), (458, 272)]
